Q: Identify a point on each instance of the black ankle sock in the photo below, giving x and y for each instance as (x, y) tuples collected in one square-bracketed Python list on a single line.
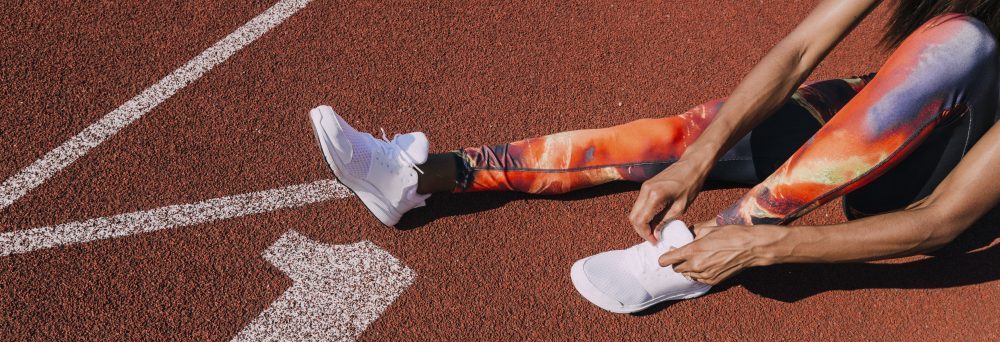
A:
[(442, 173)]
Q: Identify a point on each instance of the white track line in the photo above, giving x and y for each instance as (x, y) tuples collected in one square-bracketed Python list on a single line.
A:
[(336, 292), (173, 216), (42, 169)]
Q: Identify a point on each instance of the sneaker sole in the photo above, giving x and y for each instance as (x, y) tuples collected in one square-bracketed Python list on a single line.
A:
[(368, 193), (603, 301)]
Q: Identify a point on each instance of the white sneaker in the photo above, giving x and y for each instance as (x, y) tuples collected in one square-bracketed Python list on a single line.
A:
[(382, 173), (630, 280)]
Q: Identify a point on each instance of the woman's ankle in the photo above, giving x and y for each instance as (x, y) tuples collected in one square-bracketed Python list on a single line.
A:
[(440, 174)]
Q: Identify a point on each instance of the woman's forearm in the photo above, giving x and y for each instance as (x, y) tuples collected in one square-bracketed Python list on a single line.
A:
[(884, 236), (770, 83), (762, 91)]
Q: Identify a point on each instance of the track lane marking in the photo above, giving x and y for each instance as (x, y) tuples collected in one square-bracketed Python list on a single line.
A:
[(174, 216), (336, 292), (59, 158)]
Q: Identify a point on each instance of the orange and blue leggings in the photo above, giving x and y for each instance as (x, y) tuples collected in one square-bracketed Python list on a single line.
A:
[(891, 136)]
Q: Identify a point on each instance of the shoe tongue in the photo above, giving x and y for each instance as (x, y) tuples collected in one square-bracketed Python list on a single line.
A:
[(675, 234), (414, 144)]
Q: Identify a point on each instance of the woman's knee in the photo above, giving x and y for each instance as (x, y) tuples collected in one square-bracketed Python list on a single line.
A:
[(949, 61), (968, 40)]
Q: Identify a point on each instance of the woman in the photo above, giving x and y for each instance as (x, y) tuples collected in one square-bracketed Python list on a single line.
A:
[(890, 143)]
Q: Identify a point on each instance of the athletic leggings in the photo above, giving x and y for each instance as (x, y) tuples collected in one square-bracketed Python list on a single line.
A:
[(884, 140)]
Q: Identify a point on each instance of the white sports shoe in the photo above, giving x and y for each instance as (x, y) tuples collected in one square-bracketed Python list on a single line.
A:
[(630, 280), (382, 173)]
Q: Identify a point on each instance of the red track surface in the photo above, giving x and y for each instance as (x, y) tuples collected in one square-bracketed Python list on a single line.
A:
[(490, 266)]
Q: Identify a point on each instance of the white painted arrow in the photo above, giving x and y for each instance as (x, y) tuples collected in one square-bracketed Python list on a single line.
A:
[(336, 292)]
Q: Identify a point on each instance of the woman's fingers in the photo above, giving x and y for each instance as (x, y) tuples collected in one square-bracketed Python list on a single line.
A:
[(634, 217), (673, 256), (680, 259), (643, 210), (685, 265), (677, 209), (652, 199), (703, 278)]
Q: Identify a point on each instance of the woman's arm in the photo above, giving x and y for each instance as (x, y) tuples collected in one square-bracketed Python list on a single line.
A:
[(777, 75), (968, 192), (762, 91)]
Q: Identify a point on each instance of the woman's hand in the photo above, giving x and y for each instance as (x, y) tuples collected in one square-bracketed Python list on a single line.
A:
[(718, 253), (674, 188)]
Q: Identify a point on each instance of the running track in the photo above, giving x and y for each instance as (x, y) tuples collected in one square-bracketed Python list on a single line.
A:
[(201, 208)]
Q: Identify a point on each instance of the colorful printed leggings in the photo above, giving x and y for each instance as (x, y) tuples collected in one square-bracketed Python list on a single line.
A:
[(934, 96)]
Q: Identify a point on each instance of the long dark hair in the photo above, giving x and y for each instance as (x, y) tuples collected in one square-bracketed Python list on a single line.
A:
[(908, 15)]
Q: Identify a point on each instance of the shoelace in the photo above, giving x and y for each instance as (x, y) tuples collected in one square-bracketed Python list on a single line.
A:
[(408, 158)]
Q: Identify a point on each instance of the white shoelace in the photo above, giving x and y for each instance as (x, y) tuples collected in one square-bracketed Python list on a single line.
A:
[(408, 158)]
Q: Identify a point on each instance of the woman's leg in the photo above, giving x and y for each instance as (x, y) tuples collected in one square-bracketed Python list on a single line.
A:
[(637, 150), (568, 161), (920, 173), (945, 68)]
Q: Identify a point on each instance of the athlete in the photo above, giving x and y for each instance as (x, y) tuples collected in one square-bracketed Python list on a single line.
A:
[(910, 148)]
